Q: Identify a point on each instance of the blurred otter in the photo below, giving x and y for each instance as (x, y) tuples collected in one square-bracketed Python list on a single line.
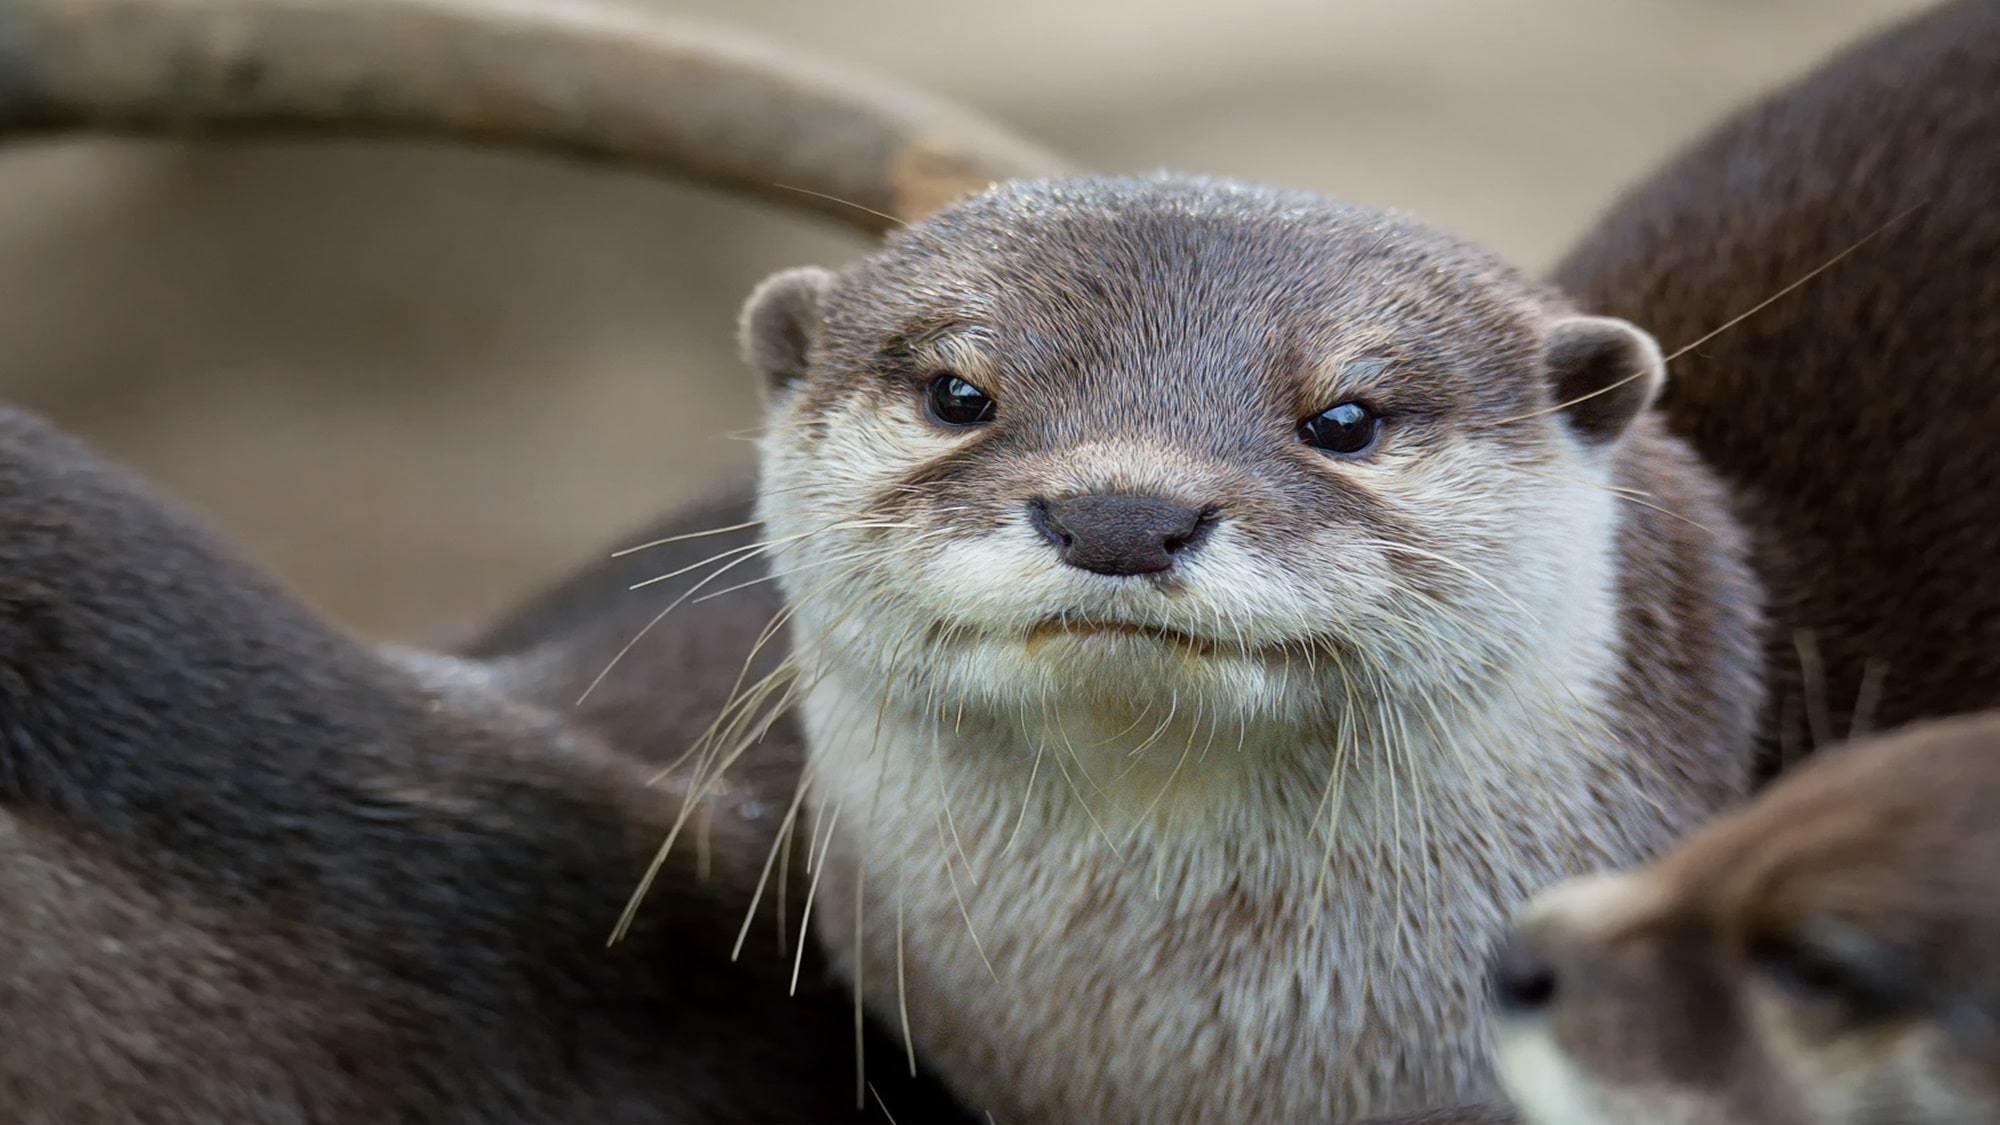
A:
[(1829, 955)]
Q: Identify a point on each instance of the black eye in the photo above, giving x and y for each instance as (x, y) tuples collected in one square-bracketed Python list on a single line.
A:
[(1346, 428), (1860, 987), (955, 402)]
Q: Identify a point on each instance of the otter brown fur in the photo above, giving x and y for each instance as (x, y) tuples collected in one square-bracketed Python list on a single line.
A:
[(257, 870), (1855, 419), (1829, 955)]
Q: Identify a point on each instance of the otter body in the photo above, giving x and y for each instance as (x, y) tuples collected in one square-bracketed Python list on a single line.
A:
[(254, 870), (1180, 760), (1855, 418)]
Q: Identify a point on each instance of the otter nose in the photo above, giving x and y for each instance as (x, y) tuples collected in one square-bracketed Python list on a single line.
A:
[(1118, 534), (1523, 976)]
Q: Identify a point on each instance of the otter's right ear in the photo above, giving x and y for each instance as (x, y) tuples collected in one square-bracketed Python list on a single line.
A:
[(1603, 372), (778, 322)]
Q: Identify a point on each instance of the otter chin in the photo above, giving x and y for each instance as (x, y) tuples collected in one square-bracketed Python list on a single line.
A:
[(1213, 609)]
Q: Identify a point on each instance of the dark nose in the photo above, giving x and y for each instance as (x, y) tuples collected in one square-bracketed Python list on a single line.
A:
[(1118, 534), (1523, 977)]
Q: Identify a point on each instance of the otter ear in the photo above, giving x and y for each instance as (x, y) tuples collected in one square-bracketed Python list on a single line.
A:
[(778, 322), (1604, 371)]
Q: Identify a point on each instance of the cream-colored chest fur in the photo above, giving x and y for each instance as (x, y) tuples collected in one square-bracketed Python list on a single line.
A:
[(1071, 944)]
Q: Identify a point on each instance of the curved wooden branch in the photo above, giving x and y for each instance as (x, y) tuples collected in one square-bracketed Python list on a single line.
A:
[(582, 79)]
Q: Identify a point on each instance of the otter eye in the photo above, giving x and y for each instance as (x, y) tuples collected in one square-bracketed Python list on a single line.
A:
[(955, 402), (1347, 429), (1826, 975)]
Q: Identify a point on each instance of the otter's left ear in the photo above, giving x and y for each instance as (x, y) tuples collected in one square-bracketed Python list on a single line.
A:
[(776, 328), (1605, 371)]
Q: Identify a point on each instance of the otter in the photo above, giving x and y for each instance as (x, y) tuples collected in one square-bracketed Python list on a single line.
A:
[(1830, 954), (1047, 591), (624, 96), (1854, 418), (1213, 609), (257, 870)]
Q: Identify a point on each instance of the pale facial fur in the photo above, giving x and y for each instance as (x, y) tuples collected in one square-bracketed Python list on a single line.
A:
[(1827, 956), (1243, 850)]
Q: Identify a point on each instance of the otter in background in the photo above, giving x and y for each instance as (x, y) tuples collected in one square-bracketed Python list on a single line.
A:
[(1856, 418), (1828, 956), (258, 870), (1824, 955), (254, 870)]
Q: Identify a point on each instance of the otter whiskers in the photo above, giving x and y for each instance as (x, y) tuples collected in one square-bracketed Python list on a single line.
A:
[(1050, 719), (1027, 793), (951, 842), (739, 726), (812, 891), (745, 554), (683, 537), (1719, 329)]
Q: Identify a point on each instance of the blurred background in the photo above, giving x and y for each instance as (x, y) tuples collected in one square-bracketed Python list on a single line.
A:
[(418, 382)]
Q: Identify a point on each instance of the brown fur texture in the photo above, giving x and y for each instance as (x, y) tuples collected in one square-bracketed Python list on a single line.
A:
[(1830, 955), (1857, 419), (256, 870), (1535, 677)]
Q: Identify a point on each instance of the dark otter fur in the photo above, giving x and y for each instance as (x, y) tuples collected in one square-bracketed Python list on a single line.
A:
[(257, 870), (1858, 418)]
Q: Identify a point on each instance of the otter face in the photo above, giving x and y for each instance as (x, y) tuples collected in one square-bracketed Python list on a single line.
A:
[(1126, 446), (1829, 955)]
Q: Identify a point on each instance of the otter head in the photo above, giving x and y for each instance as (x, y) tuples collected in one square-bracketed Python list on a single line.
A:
[(1829, 955), (1116, 449)]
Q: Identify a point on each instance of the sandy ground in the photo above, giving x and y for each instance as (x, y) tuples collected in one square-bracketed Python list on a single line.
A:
[(418, 381)]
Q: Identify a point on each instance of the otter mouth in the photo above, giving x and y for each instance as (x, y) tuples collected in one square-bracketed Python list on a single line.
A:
[(1057, 627)]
